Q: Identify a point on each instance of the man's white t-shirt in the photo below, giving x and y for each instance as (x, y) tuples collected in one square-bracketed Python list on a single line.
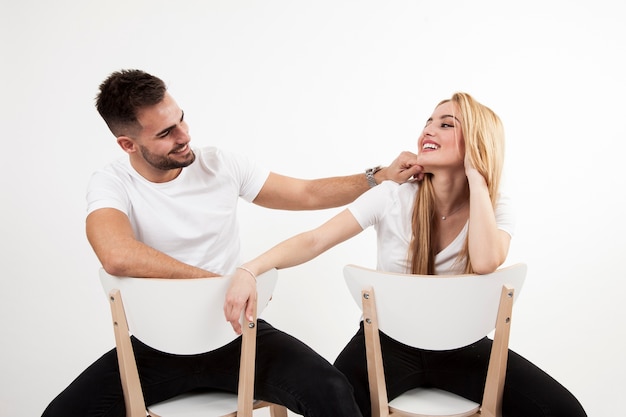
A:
[(389, 208), (192, 218)]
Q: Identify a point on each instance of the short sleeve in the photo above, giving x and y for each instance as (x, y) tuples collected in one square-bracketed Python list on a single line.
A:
[(369, 208), (105, 190), (505, 214)]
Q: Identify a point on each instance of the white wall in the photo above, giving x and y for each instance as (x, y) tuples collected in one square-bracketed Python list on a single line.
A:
[(312, 89)]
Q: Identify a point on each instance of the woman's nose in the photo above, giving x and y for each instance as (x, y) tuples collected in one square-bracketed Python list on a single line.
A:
[(428, 130)]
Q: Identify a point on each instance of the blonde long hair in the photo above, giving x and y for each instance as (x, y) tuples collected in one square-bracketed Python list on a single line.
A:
[(484, 144)]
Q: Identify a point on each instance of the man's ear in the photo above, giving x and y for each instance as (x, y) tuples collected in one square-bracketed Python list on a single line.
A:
[(127, 144)]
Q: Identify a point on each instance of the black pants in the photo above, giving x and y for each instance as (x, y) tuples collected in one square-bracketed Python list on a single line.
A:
[(288, 372), (528, 391)]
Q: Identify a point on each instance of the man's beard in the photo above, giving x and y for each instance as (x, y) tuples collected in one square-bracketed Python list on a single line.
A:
[(165, 163)]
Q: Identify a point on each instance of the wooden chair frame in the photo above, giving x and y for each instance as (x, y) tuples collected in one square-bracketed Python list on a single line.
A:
[(491, 405), (131, 385)]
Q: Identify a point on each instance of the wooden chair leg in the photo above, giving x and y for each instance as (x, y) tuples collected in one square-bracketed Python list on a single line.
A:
[(278, 411), (246, 370), (494, 385), (133, 395), (375, 370)]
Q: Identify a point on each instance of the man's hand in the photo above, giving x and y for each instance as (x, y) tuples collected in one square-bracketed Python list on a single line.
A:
[(241, 295), (404, 168)]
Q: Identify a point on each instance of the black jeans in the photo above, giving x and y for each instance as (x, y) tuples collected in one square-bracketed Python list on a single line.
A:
[(288, 372), (528, 391)]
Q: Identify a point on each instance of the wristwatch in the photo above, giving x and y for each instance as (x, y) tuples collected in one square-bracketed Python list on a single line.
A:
[(369, 174)]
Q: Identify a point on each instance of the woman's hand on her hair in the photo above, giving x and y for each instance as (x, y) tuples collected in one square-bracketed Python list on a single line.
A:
[(471, 172)]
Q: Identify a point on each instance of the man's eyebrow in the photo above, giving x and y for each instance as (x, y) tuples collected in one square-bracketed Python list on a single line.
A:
[(164, 131)]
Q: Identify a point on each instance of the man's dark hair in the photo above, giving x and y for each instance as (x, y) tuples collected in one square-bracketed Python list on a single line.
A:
[(122, 94)]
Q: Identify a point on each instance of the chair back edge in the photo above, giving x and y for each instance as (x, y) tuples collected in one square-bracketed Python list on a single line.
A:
[(181, 316), (435, 312)]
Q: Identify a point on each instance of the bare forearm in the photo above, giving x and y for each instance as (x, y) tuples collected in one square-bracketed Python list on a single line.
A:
[(487, 245), (110, 234), (286, 193), (308, 245), (291, 252), (139, 260), (339, 191), (335, 191), (242, 291)]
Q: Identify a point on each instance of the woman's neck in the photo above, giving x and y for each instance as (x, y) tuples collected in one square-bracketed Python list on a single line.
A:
[(451, 192)]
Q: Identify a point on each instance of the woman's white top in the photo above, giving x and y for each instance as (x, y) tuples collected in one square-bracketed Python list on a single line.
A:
[(389, 208)]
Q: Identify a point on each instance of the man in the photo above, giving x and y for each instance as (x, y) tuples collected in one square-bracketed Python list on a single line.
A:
[(170, 211)]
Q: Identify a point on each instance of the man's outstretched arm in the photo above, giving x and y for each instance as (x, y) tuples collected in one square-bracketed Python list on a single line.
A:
[(287, 193)]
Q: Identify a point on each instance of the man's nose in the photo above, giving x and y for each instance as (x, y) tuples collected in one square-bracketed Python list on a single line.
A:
[(182, 135)]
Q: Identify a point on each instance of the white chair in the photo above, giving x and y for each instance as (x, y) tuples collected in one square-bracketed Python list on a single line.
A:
[(436, 312), (183, 316)]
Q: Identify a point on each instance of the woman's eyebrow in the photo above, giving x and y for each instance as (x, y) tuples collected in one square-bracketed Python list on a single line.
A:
[(450, 115)]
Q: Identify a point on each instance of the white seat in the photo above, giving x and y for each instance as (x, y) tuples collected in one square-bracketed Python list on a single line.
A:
[(183, 316), (436, 312)]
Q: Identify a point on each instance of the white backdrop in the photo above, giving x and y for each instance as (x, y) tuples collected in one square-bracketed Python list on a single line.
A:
[(312, 89)]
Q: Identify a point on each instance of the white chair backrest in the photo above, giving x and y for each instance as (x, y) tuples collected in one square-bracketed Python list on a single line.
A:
[(435, 312), (181, 316)]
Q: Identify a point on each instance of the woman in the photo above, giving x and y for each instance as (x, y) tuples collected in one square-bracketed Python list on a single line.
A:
[(453, 221)]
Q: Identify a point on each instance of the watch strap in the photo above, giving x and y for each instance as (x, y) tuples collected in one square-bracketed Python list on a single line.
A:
[(369, 174)]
